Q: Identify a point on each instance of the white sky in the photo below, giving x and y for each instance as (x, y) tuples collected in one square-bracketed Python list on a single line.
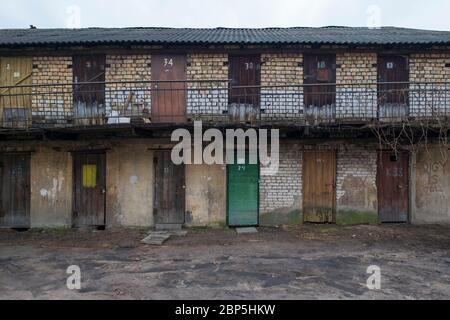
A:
[(429, 14)]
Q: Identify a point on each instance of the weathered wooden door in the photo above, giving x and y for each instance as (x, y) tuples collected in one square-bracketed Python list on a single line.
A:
[(245, 92), (15, 101), (393, 96), (169, 97), (320, 70), (170, 190), (89, 97), (319, 186), (243, 194), (15, 191), (89, 191), (393, 187)]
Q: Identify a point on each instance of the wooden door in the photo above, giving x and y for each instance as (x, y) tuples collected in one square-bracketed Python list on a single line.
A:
[(245, 92), (89, 199), (321, 70), (15, 103), (243, 194), (319, 186), (15, 191), (89, 97), (393, 187), (169, 98), (393, 69), (170, 190)]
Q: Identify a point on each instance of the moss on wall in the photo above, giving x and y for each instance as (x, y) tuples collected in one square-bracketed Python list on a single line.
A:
[(349, 217), (276, 218)]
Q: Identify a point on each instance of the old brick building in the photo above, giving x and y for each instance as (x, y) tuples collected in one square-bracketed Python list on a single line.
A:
[(86, 118)]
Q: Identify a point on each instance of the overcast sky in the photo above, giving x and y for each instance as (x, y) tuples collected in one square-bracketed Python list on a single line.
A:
[(430, 14)]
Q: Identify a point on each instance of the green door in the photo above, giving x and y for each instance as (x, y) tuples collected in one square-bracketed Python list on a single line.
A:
[(243, 195)]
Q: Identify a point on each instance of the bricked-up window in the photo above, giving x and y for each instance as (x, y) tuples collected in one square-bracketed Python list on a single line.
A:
[(320, 69)]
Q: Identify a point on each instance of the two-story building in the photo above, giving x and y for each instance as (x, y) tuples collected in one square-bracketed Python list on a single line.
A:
[(86, 118)]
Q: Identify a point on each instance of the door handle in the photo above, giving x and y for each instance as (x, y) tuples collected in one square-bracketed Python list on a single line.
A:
[(103, 191)]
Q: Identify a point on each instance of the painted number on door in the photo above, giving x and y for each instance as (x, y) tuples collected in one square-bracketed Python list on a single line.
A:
[(168, 63), (249, 66), (394, 172)]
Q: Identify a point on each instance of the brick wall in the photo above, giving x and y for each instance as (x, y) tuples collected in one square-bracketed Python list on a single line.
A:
[(280, 194), (206, 100), (51, 70), (353, 100), (282, 70), (356, 175), (124, 99), (425, 69)]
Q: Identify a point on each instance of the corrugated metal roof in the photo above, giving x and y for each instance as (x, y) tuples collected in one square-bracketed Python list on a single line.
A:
[(299, 35)]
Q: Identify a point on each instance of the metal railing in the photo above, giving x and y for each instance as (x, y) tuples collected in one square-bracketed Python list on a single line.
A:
[(219, 102)]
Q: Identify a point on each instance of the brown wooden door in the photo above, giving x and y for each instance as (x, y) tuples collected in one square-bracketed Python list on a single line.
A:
[(15, 191), (169, 95), (393, 187), (319, 185), (320, 69), (89, 199), (245, 75), (89, 98), (393, 69), (15, 102), (169, 199)]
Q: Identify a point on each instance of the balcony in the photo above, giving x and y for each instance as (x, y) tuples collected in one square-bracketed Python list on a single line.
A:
[(217, 102)]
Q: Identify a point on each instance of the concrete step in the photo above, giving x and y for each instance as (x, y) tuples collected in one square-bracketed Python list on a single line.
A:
[(246, 230), (168, 226), (156, 238)]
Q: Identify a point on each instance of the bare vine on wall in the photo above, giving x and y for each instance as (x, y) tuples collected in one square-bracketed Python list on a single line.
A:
[(412, 134)]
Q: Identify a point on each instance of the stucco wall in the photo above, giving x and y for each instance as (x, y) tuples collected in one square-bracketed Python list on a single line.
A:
[(51, 188), (206, 195), (130, 181), (431, 186)]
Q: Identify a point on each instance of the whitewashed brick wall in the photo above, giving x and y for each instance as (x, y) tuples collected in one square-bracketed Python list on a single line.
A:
[(128, 98), (356, 177), (48, 71), (282, 69), (354, 98), (282, 190), (206, 100), (429, 99)]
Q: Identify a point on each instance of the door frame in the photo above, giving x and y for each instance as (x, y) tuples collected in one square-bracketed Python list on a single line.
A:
[(154, 211), (74, 190), (409, 213), (334, 218), (258, 197)]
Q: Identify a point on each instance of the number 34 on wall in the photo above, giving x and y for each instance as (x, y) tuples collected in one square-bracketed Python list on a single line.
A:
[(168, 62)]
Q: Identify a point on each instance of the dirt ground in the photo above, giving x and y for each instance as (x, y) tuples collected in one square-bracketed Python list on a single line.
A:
[(305, 262)]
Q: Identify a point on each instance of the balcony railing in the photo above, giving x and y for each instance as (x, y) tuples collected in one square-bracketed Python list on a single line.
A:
[(218, 102)]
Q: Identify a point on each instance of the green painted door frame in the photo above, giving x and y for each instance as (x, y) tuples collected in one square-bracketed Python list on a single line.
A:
[(243, 194)]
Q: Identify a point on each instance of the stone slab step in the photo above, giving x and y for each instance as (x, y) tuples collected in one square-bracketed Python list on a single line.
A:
[(156, 239)]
